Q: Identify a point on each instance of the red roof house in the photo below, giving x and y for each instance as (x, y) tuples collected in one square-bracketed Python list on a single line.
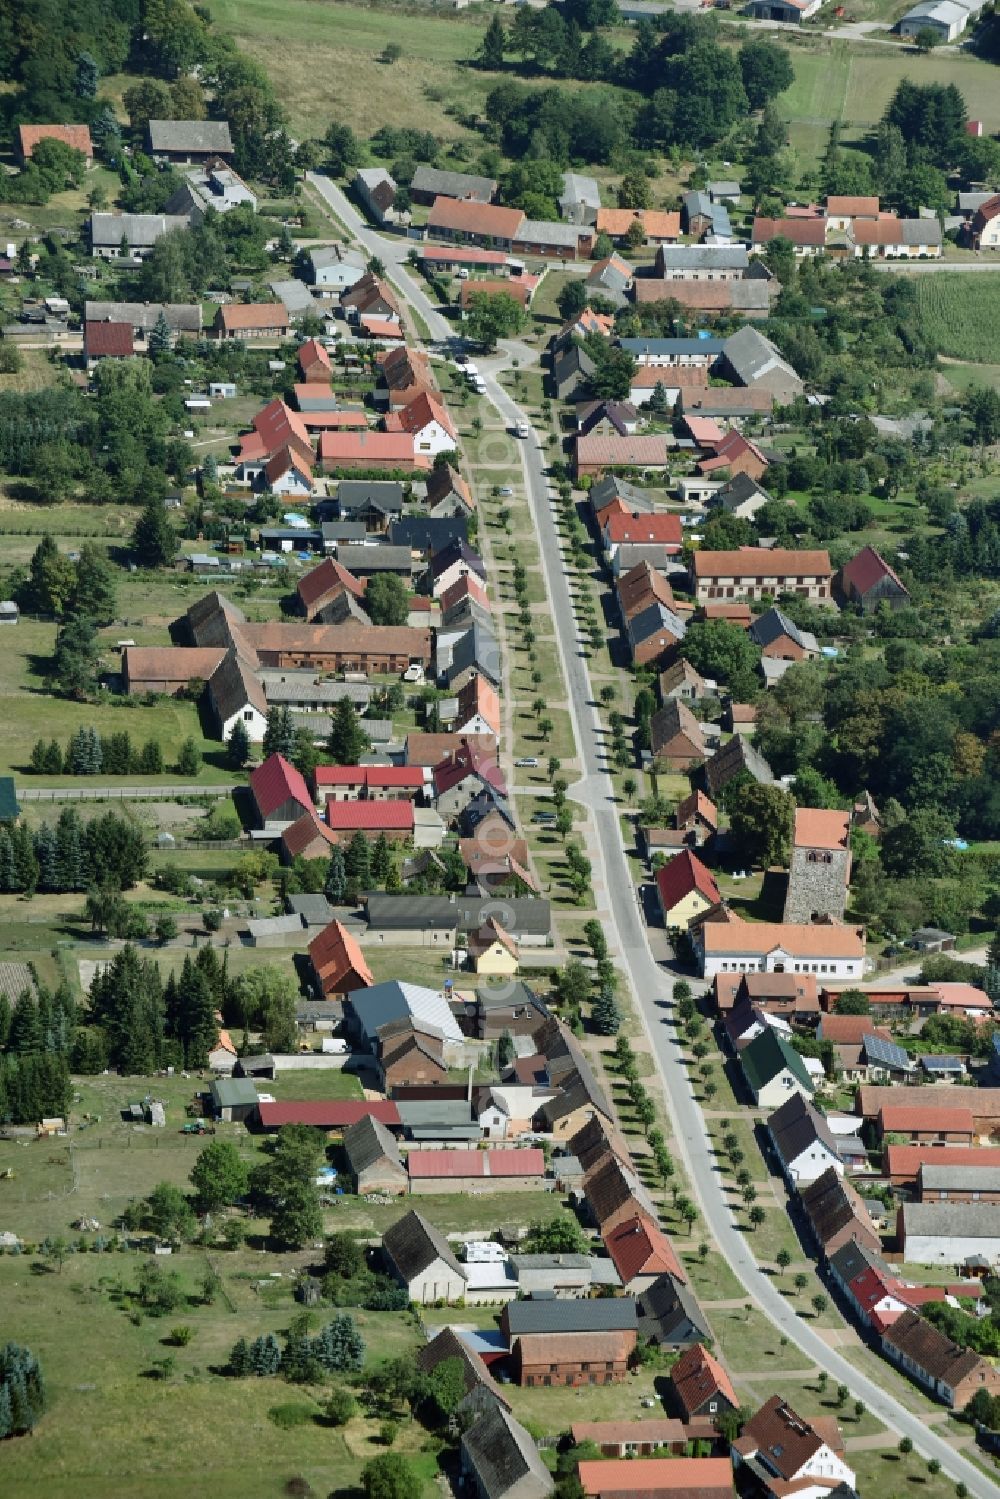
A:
[(868, 580), (327, 1113), (685, 889), (108, 341), (393, 818), (701, 1385), (338, 964), (279, 791), (77, 136), (314, 362), (641, 1251)]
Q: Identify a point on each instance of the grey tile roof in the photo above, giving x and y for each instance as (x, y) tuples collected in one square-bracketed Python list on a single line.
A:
[(580, 189), (795, 1126), (504, 1458), (412, 1243), (959, 1220), (703, 257), (678, 347), (453, 184), (772, 625), (367, 1142), (750, 355), (666, 1306), (199, 136), (960, 1178), (549, 1315), (141, 230), (547, 232), (182, 317), (478, 647)]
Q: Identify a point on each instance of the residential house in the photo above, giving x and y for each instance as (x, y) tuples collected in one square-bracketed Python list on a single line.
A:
[(614, 1192), (514, 1008), (786, 1453), (322, 586), (340, 452), (275, 428), (499, 1459), (107, 340), (77, 137), (753, 572), (773, 1069), (696, 213), (287, 473), (492, 951), (474, 223), (643, 529), (736, 946), (406, 373), (984, 231), (680, 680), (130, 236), (891, 238), (377, 192), (750, 359), (780, 639), (868, 581), (448, 493), (594, 455), (702, 262), (580, 199), (420, 1259), (640, 1438), (641, 1252), (571, 371), (807, 236), (410, 1052), (836, 1214), (222, 1057), (187, 141), (598, 1140), (820, 864), (700, 1385), (251, 320), (795, 997), (685, 890), (333, 269), (374, 501), (728, 453), (553, 241), (668, 353), (279, 793), (668, 384), (370, 297), (235, 693), (373, 1159), (670, 1316), (697, 817), (606, 417), (611, 277), (658, 228), (654, 632), (803, 1142), (676, 739), (733, 759), (338, 964), (180, 317), (741, 496), (746, 298), (453, 562), (429, 183), (843, 212), (951, 1373), (657, 1478), (306, 838), (427, 422), (556, 1342)]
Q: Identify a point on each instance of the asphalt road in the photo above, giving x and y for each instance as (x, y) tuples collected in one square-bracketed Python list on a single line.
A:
[(651, 983)]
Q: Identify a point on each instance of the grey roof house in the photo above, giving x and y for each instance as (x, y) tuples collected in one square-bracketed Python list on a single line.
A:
[(373, 1157), (571, 371), (130, 236), (189, 140), (433, 182), (334, 267), (181, 317), (579, 200), (751, 359), (669, 1313), (377, 191), (422, 1260)]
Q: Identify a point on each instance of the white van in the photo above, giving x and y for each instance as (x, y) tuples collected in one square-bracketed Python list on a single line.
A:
[(523, 429), (479, 385)]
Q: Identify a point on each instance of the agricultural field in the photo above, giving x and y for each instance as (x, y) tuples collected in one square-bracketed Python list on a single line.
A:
[(961, 314)]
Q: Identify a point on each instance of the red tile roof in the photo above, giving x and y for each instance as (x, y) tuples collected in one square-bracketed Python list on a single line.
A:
[(820, 827), (284, 459), (336, 957), (77, 136), (392, 448), (254, 316), (275, 782), (313, 354), (113, 339), (327, 578), (697, 1377), (331, 1113), (638, 1246), (683, 874), (391, 817), (467, 253), (449, 1164), (865, 569), (762, 562), (904, 1161), (697, 805), (465, 217), (470, 759), (369, 775), (278, 426), (663, 530), (802, 232), (380, 327), (494, 286), (918, 1117), (423, 410), (468, 585), (646, 1477), (848, 207), (850, 1030), (303, 833)]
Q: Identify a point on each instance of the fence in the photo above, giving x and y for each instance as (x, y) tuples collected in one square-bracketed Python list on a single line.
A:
[(117, 793)]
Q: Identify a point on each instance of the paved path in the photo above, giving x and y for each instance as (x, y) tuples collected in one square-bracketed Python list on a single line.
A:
[(618, 905)]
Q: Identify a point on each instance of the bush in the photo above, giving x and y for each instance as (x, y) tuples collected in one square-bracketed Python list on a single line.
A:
[(340, 1407), (287, 1417)]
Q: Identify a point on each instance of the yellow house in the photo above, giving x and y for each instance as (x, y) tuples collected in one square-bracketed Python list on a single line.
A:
[(493, 951), (686, 890)]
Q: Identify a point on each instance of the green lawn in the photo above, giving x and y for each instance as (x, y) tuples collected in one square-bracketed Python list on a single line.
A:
[(750, 1343), (807, 1399), (711, 1278)]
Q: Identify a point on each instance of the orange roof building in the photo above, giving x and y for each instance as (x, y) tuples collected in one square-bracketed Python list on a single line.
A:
[(641, 1252), (252, 320), (653, 1477), (354, 450), (701, 1385), (77, 136), (768, 946), (338, 964)]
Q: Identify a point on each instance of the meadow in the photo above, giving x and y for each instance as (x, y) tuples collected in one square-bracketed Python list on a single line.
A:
[(961, 314)]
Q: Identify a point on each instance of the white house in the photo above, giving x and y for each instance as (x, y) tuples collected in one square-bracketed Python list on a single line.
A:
[(427, 421), (774, 1070), (419, 1257), (785, 1451), (235, 694), (287, 473), (333, 270), (942, 1233), (803, 1141), (837, 952)]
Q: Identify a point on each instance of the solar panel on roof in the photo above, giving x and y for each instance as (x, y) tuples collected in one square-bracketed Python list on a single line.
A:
[(886, 1053)]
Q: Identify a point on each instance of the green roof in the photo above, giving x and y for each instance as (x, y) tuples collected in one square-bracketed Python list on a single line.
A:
[(227, 1091), (9, 809), (768, 1055)]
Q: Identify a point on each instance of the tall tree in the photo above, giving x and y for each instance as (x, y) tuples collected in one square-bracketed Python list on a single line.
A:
[(77, 657), (154, 538), (491, 50), (348, 740), (279, 736)]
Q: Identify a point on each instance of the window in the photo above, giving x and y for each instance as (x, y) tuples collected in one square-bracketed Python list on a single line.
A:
[(247, 715)]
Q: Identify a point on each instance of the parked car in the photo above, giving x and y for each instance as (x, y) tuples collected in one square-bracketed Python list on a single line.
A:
[(526, 762)]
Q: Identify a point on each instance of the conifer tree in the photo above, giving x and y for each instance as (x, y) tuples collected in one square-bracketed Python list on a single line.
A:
[(348, 740), (381, 859), (240, 1362), (239, 745), (151, 758), (357, 862), (279, 736), (335, 884), (25, 1037)]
